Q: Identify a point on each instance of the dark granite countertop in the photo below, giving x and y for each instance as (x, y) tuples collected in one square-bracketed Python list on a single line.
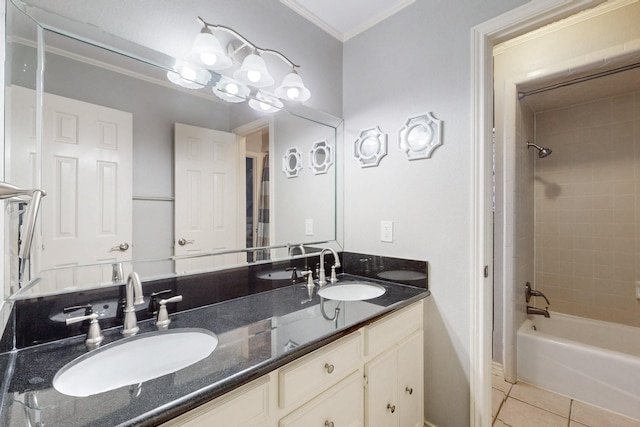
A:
[(257, 334)]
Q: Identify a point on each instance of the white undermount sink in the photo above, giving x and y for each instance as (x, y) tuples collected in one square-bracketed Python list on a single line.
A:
[(351, 291), (134, 360)]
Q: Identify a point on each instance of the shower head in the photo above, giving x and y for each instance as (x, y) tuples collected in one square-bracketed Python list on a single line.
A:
[(542, 152)]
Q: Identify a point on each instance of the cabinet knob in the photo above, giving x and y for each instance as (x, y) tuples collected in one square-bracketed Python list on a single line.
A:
[(328, 367), (391, 407), (409, 390), (328, 423)]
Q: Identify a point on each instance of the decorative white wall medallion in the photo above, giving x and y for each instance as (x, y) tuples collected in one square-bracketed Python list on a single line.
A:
[(420, 136), (320, 157), (292, 162), (370, 147)]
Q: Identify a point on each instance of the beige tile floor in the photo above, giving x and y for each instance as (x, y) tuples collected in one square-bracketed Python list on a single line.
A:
[(523, 405)]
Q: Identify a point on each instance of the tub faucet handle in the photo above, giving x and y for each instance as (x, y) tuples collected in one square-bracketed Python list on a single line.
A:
[(533, 293)]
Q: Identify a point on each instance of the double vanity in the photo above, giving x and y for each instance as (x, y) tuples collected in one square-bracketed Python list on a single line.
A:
[(284, 357)]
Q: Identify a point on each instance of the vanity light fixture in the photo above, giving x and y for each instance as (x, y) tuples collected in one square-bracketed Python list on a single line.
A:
[(208, 53)]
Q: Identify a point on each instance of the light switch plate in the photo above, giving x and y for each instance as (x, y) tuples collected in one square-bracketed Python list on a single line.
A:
[(308, 226), (386, 231)]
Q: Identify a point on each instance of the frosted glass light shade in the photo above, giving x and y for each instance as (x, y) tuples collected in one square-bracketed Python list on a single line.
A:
[(293, 89), (265, 103), (253, 72), (231, 90), (188, 76), (210, 52)]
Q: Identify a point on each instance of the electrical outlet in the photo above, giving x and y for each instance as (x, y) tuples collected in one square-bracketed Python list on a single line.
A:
[(386, 231), (308, 226)]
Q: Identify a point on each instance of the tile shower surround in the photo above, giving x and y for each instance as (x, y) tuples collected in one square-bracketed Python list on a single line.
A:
[(33, 325), (587, 201)]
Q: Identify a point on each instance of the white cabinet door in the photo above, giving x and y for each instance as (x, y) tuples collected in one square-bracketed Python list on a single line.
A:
[(411, 381), (206, 197), (394, 393)]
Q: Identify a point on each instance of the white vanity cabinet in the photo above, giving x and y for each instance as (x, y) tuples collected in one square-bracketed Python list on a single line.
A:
[(372, 377)]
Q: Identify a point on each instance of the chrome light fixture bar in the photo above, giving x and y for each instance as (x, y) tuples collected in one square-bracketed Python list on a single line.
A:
[(208, 54)]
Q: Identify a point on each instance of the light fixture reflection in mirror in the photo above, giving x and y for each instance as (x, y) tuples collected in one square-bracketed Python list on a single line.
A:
[(265, 103), (420, 135), (370, 147), (292, 162), (320, 157), (188, 76), (230, 90)]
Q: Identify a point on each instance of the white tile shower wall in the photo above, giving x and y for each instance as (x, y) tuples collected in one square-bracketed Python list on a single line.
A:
[(587, 197)]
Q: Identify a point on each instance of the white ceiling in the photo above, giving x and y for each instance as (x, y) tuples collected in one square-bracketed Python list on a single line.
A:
[(344, 19)]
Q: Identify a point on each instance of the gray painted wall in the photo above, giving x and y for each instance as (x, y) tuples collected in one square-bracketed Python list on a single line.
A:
[(418, 61)]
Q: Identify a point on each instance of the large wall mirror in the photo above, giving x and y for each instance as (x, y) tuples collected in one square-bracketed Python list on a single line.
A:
[(143, 174)]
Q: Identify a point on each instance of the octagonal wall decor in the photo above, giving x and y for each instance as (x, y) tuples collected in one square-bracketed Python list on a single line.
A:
[(370, 147), (292, 162), (420, 135), (320, 157)]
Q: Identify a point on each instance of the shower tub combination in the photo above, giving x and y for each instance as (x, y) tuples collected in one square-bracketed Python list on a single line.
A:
[(589, 360)]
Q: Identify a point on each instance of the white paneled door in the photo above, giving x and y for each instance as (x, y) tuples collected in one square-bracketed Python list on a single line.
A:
[(87, 176), (206, 197)]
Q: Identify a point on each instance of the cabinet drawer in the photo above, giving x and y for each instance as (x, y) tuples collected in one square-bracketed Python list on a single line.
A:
[(246, 406), (384, 333), (304, 378), (341, 405)]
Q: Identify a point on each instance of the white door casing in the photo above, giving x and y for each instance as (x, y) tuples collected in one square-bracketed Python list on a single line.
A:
[(206, 197)]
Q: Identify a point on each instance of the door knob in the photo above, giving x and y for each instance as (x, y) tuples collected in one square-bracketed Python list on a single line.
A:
[(121, 247), (184, 241)]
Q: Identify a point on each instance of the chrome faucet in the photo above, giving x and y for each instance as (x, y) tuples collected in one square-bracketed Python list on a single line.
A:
[(133, 296), (536, 310), (322, 279), (292, 247)]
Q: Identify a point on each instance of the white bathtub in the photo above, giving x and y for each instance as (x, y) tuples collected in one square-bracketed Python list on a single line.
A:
[(589, 360)]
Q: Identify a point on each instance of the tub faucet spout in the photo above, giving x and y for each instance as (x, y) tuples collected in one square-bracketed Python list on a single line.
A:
[(536, 310)]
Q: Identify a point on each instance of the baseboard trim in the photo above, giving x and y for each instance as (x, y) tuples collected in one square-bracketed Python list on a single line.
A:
[(428, 424), (497, 369)]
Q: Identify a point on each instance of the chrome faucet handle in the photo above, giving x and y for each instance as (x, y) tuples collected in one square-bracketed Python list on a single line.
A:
[(294, 273), (334, 278), (163, 316), (309, 274), (94, 336), (154, 306)]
